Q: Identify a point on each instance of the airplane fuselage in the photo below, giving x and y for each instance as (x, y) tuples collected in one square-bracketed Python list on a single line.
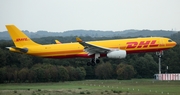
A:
[(70, 50)]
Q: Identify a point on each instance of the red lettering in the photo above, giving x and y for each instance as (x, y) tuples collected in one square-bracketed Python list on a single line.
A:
[(21, 39), (153, 44), (143, 44), (132, 45), (17, 40)]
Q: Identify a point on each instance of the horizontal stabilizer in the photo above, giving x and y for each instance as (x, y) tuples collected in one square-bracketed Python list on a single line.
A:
[(24, 50), (78, 39), (57, 42)]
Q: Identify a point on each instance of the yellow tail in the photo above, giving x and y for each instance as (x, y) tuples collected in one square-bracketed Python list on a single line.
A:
[(18, 37)]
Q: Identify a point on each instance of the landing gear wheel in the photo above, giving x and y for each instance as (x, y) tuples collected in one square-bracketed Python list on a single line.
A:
[(93, 64), (88, 63), (92, 60), (97, 61)]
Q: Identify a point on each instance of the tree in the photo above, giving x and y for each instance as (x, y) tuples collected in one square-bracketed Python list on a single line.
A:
[(104, 71), (39, 72), (31, 76), (15, 75), (2, 74), (22, 74), (72, 73), (125, 71), (90, 73), (81, 73), (78, 73), (63, 73), (3, 58), (145, 66), (25, 60), (54, 74)]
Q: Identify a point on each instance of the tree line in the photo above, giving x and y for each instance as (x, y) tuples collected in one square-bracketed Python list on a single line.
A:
[(15, 67)]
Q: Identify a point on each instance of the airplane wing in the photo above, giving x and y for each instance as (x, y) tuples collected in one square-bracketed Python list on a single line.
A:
[(92, 49)]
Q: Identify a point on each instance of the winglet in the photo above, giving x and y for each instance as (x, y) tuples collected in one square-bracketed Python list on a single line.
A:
[(78, 39)]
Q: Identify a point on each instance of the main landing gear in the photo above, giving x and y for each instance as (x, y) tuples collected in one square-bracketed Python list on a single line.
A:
[(94, 60)]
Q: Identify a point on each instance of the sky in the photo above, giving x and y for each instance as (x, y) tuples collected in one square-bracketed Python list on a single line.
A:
[(105, 15)]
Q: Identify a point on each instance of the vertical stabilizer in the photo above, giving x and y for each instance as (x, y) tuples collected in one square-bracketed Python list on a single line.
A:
[(18, 37)]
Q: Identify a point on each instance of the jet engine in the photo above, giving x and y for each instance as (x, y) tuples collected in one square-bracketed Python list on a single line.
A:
[(117, 54)]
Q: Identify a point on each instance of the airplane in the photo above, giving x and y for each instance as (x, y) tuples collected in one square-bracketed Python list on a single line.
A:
[(117, 48)]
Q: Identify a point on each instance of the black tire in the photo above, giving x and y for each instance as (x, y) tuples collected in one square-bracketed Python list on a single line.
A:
[(88, 63), (93, 64), (92, 60), (97, 61)]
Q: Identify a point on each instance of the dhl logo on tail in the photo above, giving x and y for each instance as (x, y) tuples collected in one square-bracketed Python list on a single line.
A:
[(141, 44), (21, 39)]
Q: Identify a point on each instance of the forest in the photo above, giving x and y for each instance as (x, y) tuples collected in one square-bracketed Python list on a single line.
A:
[(18, 68)]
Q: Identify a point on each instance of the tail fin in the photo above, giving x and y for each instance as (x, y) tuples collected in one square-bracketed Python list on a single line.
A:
[(18, 37)]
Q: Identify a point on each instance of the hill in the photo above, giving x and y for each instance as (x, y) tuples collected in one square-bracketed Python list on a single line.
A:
[(93, 33)]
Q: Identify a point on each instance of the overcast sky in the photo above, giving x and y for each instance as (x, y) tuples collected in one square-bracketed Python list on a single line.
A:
[(115, 15)]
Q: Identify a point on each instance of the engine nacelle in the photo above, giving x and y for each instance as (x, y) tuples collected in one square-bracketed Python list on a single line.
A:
[(117, 54)]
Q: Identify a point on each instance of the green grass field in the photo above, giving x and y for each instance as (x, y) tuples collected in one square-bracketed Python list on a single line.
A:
[(94, 87)]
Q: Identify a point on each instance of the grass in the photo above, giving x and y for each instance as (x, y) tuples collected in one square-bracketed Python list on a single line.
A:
[(94, 87)]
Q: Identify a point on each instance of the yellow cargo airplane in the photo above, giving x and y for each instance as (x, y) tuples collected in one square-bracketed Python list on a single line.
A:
[(93, 49)]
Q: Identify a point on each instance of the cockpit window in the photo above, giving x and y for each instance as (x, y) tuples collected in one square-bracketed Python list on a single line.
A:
[(169, 40)]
